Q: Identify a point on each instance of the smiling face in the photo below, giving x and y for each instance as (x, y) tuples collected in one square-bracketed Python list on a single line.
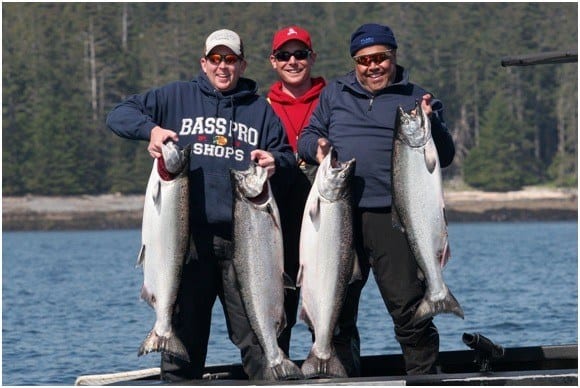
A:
[(376, 75), (224, 77), (293, 72)]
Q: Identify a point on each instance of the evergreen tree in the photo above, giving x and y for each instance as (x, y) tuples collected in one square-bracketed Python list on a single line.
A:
[(65, 65), (502, 160)]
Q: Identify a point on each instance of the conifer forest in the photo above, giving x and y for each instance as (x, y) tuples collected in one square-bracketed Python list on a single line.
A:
[(65, 65)]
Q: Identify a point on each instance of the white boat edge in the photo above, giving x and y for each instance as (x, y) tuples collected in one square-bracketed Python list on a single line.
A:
[(112, 378)]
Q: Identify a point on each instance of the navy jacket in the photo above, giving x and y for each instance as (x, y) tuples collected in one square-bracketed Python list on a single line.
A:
[(223, 129), (361, 125)]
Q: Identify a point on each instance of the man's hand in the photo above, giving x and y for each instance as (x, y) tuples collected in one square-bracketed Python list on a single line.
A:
[(323, 149), (158, 137), (264, 159), (426, 104)]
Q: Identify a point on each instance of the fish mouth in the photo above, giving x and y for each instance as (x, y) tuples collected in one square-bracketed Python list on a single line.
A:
[(261, 198)]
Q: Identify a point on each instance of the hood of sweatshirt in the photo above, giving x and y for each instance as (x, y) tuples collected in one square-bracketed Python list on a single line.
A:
[(276, 94)]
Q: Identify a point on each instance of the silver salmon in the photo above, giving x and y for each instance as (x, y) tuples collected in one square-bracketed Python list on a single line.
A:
[(326, 261), (258, 261), (165, 245), (419, 209)]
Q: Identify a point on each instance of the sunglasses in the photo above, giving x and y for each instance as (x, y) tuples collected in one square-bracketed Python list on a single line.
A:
[(366, 60), (216, 59), (284, 56)]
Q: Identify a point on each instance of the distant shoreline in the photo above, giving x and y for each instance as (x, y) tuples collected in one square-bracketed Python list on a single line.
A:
[(115, 211)]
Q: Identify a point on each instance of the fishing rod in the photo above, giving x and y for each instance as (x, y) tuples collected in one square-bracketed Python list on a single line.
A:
[(550, 57)]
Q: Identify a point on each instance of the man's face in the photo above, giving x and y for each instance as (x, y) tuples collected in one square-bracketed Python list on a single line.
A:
[(376, 67), (225, 71), (293, 71)]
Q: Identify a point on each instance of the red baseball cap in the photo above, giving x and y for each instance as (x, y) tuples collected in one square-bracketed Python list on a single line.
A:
[(291, 33)]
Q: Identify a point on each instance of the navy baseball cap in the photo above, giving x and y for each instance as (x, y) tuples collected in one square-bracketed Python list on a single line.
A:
[(369, 35)]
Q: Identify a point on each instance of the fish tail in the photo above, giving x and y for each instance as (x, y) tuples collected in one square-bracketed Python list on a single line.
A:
[(170, 344), (315, 367), (286, 370), (428, 308)]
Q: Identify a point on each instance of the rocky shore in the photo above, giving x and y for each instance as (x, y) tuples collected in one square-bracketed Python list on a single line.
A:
[(124, 212)]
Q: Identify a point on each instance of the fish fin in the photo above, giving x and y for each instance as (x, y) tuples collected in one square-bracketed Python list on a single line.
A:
[(396, 221), (170, 344), (315, 367), (314, 210), (445, 254), (288, 282), (428, 308), (140, 256), (356, 271), (299, 276), (191, 254), (285, 370), (420, 274), (281, 325), (270, 210), (147, 296), (156, 194), (431, 158)]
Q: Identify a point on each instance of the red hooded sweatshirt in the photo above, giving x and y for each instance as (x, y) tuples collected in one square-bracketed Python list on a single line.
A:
[(295, 112)]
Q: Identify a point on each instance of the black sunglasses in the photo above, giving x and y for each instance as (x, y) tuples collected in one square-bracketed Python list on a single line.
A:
[(366, 60), (216, 59), (284, 56)]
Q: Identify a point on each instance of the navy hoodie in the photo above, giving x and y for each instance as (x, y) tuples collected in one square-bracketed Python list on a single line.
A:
[(222, 128), (361, 125)]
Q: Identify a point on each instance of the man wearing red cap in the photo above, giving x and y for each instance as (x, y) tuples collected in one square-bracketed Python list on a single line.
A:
[(293, 97)]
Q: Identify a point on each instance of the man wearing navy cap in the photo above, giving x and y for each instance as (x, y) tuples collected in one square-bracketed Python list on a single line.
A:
[(357, 114)]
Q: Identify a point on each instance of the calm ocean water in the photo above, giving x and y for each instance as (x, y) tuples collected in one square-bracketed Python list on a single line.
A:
[(70, 300)]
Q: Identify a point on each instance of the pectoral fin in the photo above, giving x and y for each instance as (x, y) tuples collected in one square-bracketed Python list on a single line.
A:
[(356, 271), (140, 256), (314, 210), (396, 221), (156, 194), (445, 254), (430, 154), (299, 277), (288, 282)]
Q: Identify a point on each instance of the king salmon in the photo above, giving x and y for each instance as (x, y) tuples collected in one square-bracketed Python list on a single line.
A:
[(326, 261), (165, 245), (258, 261), (419, 209)]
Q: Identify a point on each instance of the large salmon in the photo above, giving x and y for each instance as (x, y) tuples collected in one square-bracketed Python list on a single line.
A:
[(326, 261), (418, 208), (258, 261), (165, 245)]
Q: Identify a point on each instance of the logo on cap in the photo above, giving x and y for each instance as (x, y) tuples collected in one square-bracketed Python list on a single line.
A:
[(291, 31)]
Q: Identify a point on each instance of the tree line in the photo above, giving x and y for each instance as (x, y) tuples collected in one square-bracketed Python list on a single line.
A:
[(65, 65)]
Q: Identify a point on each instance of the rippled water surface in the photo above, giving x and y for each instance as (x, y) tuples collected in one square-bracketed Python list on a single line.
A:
[(70, 300)]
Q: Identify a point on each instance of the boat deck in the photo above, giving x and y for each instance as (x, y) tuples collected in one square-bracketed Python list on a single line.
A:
[(536, 365)]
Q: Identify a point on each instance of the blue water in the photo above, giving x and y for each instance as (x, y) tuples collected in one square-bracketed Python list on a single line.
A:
[(70, 300)]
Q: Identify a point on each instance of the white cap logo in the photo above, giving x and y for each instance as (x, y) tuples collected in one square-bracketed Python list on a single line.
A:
[(292, 31)]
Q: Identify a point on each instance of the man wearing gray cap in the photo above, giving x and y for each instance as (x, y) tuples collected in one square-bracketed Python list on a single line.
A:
[(356, 114), (227, 124)]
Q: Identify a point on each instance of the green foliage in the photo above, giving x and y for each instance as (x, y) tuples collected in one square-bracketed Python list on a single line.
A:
[(503, 159), (65, 65)]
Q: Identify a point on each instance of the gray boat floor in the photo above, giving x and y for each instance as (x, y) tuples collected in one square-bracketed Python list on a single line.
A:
[(535, 365), (150, 376)]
